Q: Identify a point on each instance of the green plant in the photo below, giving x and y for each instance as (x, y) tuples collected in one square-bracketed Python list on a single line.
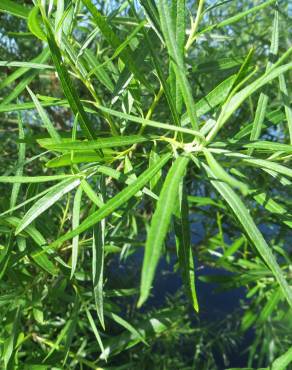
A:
[(155, 117)]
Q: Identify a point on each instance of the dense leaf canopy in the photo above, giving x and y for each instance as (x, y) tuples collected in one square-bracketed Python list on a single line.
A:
[(135, 133)]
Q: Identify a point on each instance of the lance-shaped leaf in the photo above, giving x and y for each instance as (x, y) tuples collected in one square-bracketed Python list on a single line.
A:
[(44, 117), (282, 362), (101, 143), (247, 223), (263, 99), (119, 320), (67, 85), (33, 179), (29, 75), (234, 103), (270, 146), (115, 202), (221, 174), (211, 100), (263, 164), (178, 65), (97, 269), (37, 255), (126, 54), (148, 328), (183, 246), (75, 223), (21, 159), (286, 102), (47, 201), (14, 8), (178, 14), (96, 333), (238, 16), (11, 341), (42, 57), (148, 122), (160, 225)]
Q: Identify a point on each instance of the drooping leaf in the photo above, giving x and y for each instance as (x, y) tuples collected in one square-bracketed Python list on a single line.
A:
[(67, 85), (75, 224), (183, 246), (97, 269), (115, 202), (47, 201), (160, 225), (179, 67), (45, 119), (247, 223), (21, 159)]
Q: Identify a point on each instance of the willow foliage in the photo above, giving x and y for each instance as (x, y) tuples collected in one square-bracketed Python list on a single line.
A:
[(137, 121)]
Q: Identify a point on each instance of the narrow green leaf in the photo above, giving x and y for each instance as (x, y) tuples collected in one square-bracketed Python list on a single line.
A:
[(67, 85), (122, 46), (263, 99), (247, 223), (34, 179), (26, 65), (119, 320), (100, 73), (221, 174), (160, 224), (270, 306), (18, 89), (147, 328), (126, 76), (220, 64), (101, 143), (183, 246), (45, 118), (212, 99), (20, 161), (115, 202), (39, 60), (79, 157), (59, 19), (287, 105), (270, 146), (34, 24), (151, 11), (151, 39), (179, 21), (179, 67), (234, 103), (51, 197), (91, 194), (263, 163), (241, 15), (71, 327), (282, 362), (14, 8), (238, 16), (97, 269), (75, 224), (96, 333), (10, 343), (151, 123), (126, 54), (40, 257)]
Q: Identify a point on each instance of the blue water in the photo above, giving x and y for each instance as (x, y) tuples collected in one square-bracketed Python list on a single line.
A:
[(215, 306)]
